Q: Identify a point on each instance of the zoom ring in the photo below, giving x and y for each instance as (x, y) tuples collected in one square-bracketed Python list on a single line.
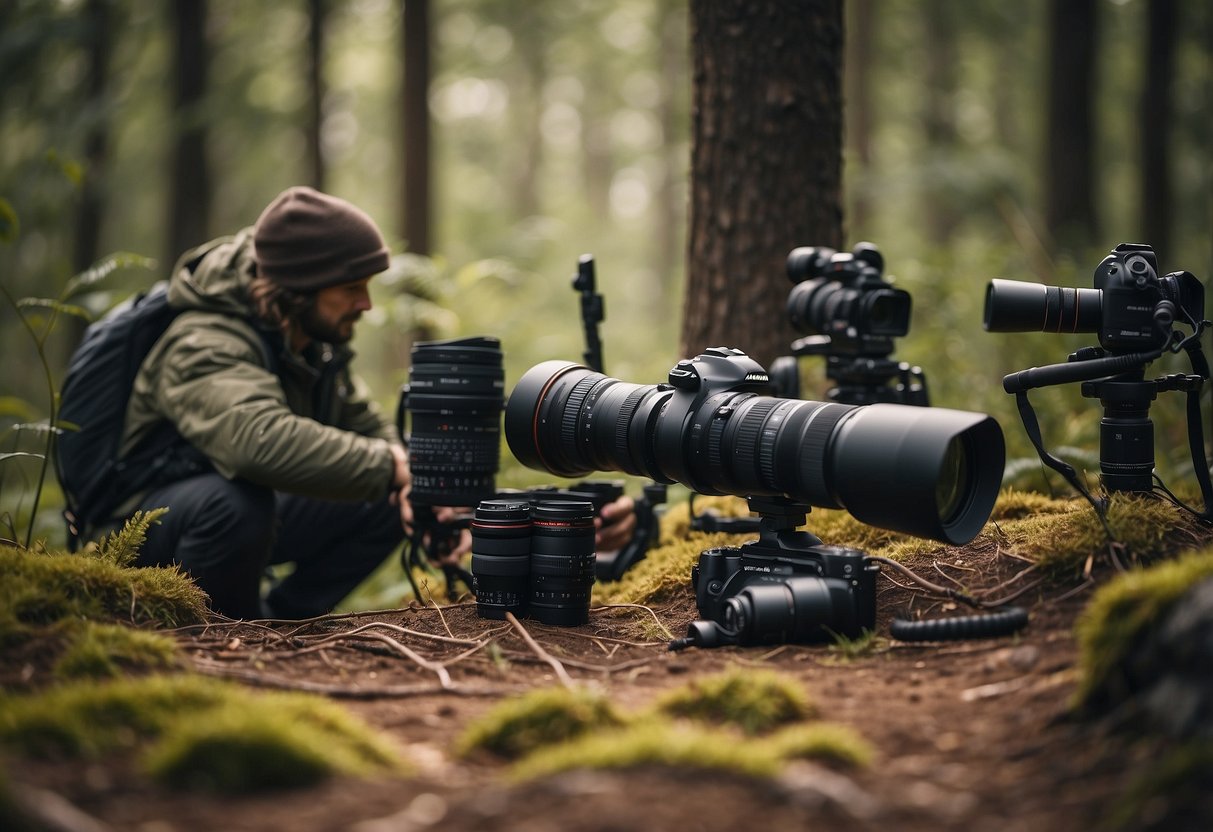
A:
[(812, 461), (748, 433)]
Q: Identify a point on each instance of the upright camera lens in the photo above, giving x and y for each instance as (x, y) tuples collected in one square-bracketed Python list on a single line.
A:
[(455, 393), (501, 557), (562, 561)]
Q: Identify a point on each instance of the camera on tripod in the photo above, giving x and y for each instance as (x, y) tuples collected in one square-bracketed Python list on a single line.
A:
[(1134, 312), (850, 314), (930, 472)]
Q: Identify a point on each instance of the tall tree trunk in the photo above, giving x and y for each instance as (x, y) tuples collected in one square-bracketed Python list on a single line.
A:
[(96, 141), (189, 205), (671, 209), (765, 164), (1069, 167), (317, 18), (415, 112), (857, 74), (1157, 117), (939, 120)]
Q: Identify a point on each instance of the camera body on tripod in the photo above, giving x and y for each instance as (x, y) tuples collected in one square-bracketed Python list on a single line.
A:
[(760, 594)]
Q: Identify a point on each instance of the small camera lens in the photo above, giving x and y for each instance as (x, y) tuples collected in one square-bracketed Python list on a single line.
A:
[(562, 561), (501, 557)]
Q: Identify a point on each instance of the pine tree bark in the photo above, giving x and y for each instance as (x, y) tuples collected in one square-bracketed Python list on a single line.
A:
[(765, 164)]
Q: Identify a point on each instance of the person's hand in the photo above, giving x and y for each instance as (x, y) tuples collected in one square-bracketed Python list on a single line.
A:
[(615, 524), (402, 482), (449, 514)]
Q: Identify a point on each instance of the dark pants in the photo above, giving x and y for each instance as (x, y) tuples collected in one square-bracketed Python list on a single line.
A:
[(225, 533)]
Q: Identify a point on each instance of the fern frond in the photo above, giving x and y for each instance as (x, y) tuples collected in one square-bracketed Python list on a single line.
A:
[(122, 547)]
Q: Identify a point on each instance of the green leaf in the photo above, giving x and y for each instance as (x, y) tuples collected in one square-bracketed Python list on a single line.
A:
[(50, 303), (10, 226), (104, 267)]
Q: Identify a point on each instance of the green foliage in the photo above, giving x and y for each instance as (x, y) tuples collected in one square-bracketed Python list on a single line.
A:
[(121, 547), (97, 650), (1118, 617), (40, 589), (1061, 542), (197, 733), (519, 726), (847, 649), (756, 701)]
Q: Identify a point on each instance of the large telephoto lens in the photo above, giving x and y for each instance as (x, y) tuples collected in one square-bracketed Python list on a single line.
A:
[(455, 394), (925, 471), (501, 557), (562, 561), (1021, 306)]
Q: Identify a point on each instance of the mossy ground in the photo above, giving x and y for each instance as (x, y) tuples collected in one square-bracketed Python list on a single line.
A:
[(741, 721), (194, 732), (90, 616), (1121, 613)]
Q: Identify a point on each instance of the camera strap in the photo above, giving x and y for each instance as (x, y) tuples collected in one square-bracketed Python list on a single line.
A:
[(1032, 427), (1196, 443)]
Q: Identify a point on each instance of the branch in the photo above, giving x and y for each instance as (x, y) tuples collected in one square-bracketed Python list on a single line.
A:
[(561, 673)]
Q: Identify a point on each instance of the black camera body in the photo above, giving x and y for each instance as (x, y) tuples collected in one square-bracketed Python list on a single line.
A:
[(1131, 307), (844, 296), (761, 593), (849, 314)]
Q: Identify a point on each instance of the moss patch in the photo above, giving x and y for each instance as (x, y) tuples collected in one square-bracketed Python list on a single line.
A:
[(756, 701), (823, 741), (1062, 541), (196, 732), (543, 717), (62, 609), (98, 650), (653, 743), (1118, 616), (39, 589)]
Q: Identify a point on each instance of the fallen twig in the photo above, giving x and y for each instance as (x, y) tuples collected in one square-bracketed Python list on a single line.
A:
[(344, 691), (649, 610), (561, 673)]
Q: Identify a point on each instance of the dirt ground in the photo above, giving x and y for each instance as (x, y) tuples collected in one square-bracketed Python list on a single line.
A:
[(971, 735)]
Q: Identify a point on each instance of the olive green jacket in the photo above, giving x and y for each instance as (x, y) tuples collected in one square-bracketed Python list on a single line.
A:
[(299, 423)]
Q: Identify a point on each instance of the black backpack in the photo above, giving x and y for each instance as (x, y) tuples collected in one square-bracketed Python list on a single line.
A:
[(95, 394)]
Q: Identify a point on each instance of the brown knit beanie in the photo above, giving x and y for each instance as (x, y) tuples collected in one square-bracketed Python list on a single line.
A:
[(307, 241)]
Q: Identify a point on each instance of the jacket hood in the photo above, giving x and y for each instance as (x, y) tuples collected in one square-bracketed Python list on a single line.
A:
[(215, 277)]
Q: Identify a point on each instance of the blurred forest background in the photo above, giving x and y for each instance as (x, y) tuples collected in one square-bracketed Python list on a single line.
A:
[(497, 141)]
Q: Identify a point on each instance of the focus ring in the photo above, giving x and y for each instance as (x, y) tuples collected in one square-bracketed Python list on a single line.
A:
[(572, 410)]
